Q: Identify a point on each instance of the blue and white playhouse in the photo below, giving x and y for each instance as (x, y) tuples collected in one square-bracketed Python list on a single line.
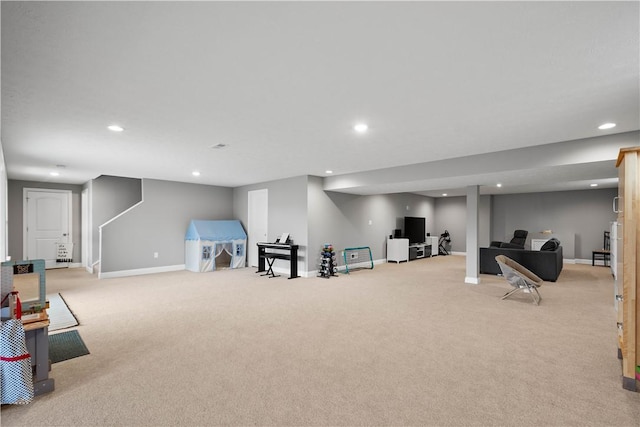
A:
[(215, 244)]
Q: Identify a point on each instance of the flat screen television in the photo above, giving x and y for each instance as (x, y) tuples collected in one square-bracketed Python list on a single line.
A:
[(414, 229)]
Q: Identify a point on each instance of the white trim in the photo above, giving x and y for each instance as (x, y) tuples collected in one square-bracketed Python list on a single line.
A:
[(140, 271), (472, 280)]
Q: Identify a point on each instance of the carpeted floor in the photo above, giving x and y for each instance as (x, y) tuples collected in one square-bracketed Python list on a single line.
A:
[(401, 345)]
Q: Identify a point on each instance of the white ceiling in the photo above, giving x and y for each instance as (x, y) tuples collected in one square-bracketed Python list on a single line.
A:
[(283, 83)]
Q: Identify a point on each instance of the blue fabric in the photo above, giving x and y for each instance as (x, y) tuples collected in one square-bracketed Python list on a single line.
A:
[(219, 231)]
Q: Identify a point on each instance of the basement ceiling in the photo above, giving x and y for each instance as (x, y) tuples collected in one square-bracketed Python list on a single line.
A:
[(249, 92)]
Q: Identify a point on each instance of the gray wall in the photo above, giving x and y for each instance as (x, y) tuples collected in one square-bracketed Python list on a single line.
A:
[(585, 214), (314, 217), (15, 215), (287, 212), (159, 224), (343, 219), (451, 215), (110, 196), (578, 218)]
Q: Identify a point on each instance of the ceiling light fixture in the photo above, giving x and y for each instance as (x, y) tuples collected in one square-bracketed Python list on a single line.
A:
[(195, 173), (328, 171), (498, 185), (593, 185), (115, 128), (54, 173), (361, 127), (444, 194), (606, 126)]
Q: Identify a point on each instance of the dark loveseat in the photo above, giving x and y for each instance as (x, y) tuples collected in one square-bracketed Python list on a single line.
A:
[(546, 264)]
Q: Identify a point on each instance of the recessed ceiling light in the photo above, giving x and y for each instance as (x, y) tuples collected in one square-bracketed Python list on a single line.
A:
[(606, 126), (328, 171), (195, 173), (361, 127), (54, 173), (115, 128), (444, 194), (593, 185), (498, 185)]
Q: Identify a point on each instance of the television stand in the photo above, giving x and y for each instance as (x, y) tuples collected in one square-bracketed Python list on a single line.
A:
[(418, 250)]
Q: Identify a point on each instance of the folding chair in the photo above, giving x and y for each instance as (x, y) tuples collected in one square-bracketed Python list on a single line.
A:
[(520, 278)]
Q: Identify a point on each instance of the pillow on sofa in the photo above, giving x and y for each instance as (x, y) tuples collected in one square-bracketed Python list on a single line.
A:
[(550, 245)]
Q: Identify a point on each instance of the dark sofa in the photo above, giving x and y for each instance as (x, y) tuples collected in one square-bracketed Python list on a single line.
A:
[(546, 264)]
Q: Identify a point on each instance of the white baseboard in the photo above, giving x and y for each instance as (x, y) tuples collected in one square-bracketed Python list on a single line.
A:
[(472, 280), (140, 271)]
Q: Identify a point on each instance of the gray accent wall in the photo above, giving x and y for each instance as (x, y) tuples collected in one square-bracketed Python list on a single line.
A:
[(314, 217), (347, 220), (110, 196), (159, 224), (287, 212), (310, 214), (451, 215), (577, 218), (15, 215)]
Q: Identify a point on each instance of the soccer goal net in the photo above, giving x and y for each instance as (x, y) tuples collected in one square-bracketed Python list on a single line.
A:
[(358, 258)]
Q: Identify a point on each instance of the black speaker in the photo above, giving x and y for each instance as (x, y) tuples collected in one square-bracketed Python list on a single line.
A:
[(397, 233)]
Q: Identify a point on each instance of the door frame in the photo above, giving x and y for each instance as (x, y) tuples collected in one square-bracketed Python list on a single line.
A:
[(85, 227), (25, 215), (252, 239)]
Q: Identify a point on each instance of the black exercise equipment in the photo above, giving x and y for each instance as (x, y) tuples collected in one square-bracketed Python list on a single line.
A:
[(445, 238)]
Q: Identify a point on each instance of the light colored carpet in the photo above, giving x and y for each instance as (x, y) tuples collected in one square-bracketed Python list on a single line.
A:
[(401, 345), (60, 317)]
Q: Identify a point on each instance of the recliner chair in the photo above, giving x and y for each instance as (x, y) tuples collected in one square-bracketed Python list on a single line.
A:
[(517, 242)]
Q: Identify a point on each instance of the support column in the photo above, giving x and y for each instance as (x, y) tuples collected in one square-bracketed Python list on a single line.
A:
[(473, 221)]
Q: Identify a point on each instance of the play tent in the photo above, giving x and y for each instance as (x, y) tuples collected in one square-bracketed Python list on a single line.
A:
[(215, 243)]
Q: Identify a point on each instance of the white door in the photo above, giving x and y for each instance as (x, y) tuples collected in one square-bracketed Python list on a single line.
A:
[(47, 222), (257, 222)]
